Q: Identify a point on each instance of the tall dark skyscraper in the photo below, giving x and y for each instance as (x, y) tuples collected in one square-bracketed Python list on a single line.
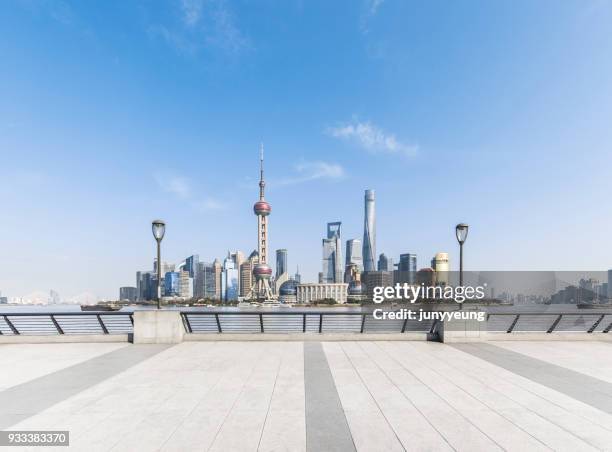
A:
[(406, 269), (369, 232), (385, 264), (281, 262), (333, 270)]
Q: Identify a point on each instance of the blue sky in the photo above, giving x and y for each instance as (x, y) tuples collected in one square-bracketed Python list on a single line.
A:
[(113, 113)]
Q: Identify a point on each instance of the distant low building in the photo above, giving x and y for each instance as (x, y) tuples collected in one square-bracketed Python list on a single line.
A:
[(311, 292), (128, 294), (288, 292)]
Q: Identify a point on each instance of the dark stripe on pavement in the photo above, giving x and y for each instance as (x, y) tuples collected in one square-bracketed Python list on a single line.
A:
[(326, 425), (587, 389)]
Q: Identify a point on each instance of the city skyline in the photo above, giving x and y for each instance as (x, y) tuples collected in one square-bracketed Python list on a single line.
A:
[(115, 115)]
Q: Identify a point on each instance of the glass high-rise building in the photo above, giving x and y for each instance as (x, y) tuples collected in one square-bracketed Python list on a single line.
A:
[(369, 232), (333, 271), (204, 285), (230, 280), (191, 264), (146, 284), (353, 253), (281, 262), (171, 284), (406, 269), (385, 264)]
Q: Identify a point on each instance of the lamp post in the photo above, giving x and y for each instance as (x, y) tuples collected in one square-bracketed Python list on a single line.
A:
[(159, 229), (461, 231)]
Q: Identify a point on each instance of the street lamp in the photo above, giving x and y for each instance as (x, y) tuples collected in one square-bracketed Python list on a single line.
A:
[(461, 231), (159, 229)]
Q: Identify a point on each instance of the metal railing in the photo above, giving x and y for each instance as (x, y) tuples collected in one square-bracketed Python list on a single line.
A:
[(544, 322), (286, 321), (68, 323), (202, 322)]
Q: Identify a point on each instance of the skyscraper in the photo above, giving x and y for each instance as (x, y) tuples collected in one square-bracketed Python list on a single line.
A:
[(281, 262), (171, 284), (408, 262), (385, 264), (145, 285), (246, 274), (218, 277), (353, 253), (204, 281), (406, 269), (185, 284), (191, 264), (369, 232), (332, 254), (229, 284), (262, 271), (442, 267)]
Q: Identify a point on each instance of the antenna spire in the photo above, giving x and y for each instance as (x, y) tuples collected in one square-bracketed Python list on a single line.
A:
[(262, 184)]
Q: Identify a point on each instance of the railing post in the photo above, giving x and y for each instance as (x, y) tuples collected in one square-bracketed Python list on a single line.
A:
[(304, 324), (363, 316), (12, 327), (261, 322), (514, 322), (102, 324), (218, 323), (432, 330), (59, 329), (320, 323), (596, 324), (186, 322), (555, 323)]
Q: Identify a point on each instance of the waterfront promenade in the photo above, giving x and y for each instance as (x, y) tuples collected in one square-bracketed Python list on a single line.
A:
[(316, 396)]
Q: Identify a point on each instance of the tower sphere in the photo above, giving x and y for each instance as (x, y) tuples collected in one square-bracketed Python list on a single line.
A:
[(262, 208), (262, 271)]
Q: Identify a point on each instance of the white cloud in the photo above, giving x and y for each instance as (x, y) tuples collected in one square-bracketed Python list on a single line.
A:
[(182, 189), (309, 171), (373, 6), (202, 25), (370, 8), (175, 185), (372, 138), (208, 204), (192, 11)]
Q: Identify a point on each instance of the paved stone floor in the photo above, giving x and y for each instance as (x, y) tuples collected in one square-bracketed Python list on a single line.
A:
[(315, 396)]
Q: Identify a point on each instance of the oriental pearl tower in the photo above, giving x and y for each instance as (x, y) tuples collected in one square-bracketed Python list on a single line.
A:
[(262, 271)]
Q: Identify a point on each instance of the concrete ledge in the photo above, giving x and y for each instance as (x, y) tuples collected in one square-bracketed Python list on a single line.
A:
[(63, 338), (305, 337), (158, 327), (531, 336)]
